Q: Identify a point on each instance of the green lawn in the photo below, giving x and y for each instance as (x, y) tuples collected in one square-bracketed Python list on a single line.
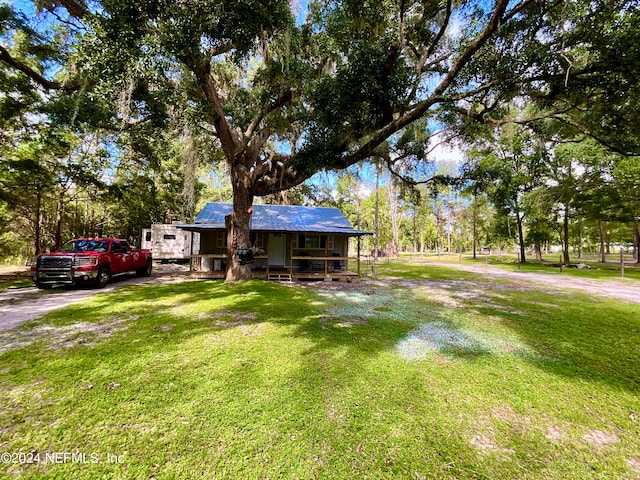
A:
[(434, 375), (21, 282), (609, 270), (14, 277)]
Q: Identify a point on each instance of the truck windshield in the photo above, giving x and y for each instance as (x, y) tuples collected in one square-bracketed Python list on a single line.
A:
[(85, 246)]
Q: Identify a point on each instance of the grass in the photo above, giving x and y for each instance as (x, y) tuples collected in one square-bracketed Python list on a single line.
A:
[(609, 270), (19, 282), (435, 374), (14, 276)]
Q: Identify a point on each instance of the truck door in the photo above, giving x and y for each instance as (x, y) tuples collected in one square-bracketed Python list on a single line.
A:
[(117, 258)]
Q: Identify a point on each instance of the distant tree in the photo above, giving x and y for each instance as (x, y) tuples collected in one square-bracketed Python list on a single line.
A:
[(515, 161), (337, 88), (626, 172)]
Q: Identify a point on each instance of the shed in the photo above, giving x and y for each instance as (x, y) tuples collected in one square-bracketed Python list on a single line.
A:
[(288, 242)]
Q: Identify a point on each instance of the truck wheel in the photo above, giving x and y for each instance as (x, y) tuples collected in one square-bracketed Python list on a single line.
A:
[(103, 277), (42, 286), (146, 270)]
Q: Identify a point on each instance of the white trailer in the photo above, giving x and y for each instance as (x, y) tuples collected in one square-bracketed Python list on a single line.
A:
[(169, 243)]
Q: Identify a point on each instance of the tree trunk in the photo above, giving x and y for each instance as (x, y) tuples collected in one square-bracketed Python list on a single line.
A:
[(580, 241), (85, 216), (415, 233), (393, 213), (38, 232), (438, 242), (101, 223), (239, 232), (603, 257), (538, 249), (523, 258), (59, 209), (636, 238), (92, 221), (377, 217), (449, 232), (565, 240), (475, 224)]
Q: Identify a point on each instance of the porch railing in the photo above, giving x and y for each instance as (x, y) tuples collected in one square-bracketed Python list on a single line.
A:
[(304, 264), (326, 264)]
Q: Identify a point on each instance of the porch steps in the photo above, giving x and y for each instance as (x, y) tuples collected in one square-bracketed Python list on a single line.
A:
[(279, 277)]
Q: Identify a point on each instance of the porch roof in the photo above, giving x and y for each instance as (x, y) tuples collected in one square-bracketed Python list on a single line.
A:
[(278, 218)]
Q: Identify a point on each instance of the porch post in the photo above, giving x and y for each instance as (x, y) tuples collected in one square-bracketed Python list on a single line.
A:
[(359, 237), (326, 255), (294, 237), (266, 246)]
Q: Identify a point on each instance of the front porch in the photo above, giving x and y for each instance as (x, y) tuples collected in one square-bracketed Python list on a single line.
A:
[(307, 267)]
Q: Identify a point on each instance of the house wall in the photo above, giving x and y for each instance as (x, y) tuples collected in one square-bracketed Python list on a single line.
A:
[(210, 242), (324, 246)]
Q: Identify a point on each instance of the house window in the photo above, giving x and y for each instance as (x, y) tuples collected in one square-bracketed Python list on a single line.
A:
[(221, 239), (315, 242), (259, 243)]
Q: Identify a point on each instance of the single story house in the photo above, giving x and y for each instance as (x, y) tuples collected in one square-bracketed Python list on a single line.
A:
[(289, 243)]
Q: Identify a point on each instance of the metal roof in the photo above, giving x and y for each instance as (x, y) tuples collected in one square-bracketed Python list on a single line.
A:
[(278, 218)]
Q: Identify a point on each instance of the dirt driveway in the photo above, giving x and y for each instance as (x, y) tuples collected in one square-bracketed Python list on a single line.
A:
[(622, 289), (21, 305)]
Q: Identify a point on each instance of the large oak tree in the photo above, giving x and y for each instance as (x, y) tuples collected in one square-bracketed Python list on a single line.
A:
[(286, 98)]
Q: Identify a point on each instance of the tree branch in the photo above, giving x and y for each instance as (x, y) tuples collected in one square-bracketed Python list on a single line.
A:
[(596, 137), (226, 134), (287, 97), (382, 134), (68, 87), (436, 41)]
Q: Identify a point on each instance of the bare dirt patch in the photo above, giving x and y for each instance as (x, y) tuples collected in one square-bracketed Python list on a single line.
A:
[(341, 323), (634, 464), (488, 445), (554, 434), (63, 336), (516, 421), (598, 438)]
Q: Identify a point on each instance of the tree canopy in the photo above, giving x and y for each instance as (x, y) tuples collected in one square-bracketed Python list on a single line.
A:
[(283, 98)]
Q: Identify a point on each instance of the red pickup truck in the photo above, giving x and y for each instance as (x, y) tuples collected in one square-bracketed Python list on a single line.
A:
[(90, 261)]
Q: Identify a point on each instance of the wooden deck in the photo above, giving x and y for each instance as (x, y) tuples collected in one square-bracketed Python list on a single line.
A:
[(283, 276), (306, 268)]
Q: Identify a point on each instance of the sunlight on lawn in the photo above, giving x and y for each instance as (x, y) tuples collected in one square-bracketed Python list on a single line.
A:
[(428, 373)]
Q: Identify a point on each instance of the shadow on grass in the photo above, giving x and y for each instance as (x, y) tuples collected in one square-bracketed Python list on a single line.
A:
[(167, 316), (571, 335), (575, 335), (259, 367)]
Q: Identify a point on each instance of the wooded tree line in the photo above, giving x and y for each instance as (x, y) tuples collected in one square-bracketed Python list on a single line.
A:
[(517, 192), (111, 110)]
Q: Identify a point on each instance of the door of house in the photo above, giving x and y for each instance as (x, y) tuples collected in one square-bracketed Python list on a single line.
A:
[(277, 249)]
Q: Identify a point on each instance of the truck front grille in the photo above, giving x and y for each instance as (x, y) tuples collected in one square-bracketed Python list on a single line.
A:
[(55, 262)]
